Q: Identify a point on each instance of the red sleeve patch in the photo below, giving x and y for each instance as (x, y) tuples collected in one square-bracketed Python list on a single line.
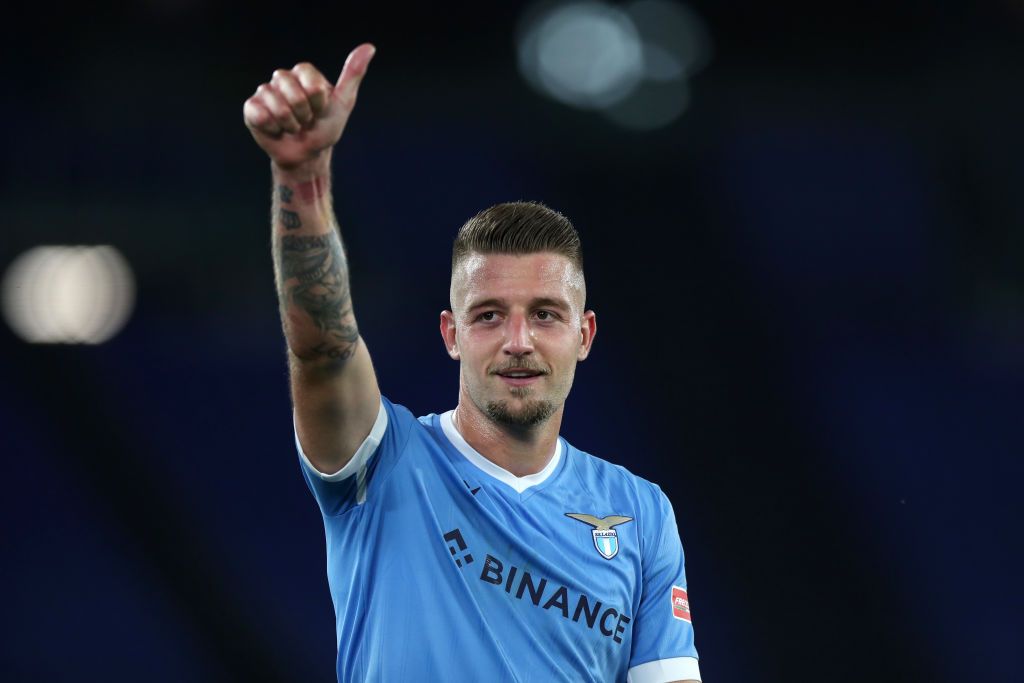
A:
[(680, 604)]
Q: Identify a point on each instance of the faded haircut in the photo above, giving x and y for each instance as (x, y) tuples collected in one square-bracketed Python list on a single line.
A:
[(518, 228)]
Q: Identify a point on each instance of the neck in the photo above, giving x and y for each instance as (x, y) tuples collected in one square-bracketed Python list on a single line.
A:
[(521, 451)]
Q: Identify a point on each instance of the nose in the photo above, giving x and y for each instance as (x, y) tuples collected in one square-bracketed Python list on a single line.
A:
[(518, 336)]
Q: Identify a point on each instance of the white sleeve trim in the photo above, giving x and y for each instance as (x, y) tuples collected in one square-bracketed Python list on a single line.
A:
[(357, 465), (665, 670)]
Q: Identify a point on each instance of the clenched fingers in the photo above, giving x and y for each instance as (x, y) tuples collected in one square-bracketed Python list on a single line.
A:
[(288, 86), (259, 118), (317, 87), (278, 106)]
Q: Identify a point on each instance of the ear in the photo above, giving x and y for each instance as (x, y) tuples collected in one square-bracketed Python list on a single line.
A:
[(588, 330), (451, 345)]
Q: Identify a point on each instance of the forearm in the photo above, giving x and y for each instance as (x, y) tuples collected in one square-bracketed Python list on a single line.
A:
[(310, 266)]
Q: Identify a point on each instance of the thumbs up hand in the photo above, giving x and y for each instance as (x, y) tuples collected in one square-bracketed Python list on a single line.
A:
[(299, 114)]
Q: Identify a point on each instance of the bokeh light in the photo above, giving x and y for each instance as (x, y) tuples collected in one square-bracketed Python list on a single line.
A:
[(632, 64), (585, 54), (676, 42), (68, 294)]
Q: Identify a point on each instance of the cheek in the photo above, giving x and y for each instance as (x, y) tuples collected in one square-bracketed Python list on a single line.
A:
[(561, 347), (566, 336), (476, 344), (481, 338)]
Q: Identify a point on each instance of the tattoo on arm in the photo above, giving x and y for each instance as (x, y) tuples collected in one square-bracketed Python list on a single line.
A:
[(289, 219), (313, 276)]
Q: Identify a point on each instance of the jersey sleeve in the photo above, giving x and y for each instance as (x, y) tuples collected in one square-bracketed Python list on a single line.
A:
[(340, 491), (663, 648)]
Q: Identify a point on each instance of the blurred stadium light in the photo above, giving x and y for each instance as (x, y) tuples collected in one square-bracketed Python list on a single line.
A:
[(584, 54), (632, 63), (68, 294)]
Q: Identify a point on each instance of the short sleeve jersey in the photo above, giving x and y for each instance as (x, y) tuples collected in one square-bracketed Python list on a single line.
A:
[(444, 567)]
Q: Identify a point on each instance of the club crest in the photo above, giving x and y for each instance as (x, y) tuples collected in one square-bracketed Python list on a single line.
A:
[(606, 539)]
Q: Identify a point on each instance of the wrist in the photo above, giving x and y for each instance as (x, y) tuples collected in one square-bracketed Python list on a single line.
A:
[(318, 167)]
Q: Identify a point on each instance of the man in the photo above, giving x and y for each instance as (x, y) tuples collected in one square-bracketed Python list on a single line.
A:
[(474, 545)]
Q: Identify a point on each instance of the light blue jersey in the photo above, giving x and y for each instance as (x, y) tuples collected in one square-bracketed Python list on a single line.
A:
[(445, 567)]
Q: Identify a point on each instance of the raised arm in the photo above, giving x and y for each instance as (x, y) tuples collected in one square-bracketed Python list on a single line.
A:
[(297, 118)]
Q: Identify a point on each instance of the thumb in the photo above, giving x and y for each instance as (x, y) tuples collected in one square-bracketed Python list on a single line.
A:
[(352, 74)]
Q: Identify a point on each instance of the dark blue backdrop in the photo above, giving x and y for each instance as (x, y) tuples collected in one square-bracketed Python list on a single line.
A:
[(809, 293)]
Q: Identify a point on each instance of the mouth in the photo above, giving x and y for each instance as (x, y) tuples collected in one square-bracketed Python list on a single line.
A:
[(520, 377)]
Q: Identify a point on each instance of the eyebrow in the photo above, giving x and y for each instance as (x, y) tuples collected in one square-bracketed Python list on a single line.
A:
[(540, 302)]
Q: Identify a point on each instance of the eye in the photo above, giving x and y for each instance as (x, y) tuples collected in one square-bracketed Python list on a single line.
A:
[(545, 315), (487, 316)]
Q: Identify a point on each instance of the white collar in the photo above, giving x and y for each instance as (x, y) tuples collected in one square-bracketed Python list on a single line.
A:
[(520, 484)]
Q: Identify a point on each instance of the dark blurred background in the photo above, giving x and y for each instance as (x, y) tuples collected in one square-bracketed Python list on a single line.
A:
[(806, 263)]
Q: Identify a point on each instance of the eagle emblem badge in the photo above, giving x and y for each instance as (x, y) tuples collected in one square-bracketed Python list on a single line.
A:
[(606, 539)]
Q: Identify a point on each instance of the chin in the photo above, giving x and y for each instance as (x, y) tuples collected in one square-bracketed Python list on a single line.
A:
[(521, 414)]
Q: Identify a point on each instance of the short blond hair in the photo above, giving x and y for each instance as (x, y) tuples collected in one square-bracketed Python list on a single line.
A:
[(518, 228)]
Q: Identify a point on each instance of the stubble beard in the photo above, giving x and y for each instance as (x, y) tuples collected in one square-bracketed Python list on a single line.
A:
[(530, 414)]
